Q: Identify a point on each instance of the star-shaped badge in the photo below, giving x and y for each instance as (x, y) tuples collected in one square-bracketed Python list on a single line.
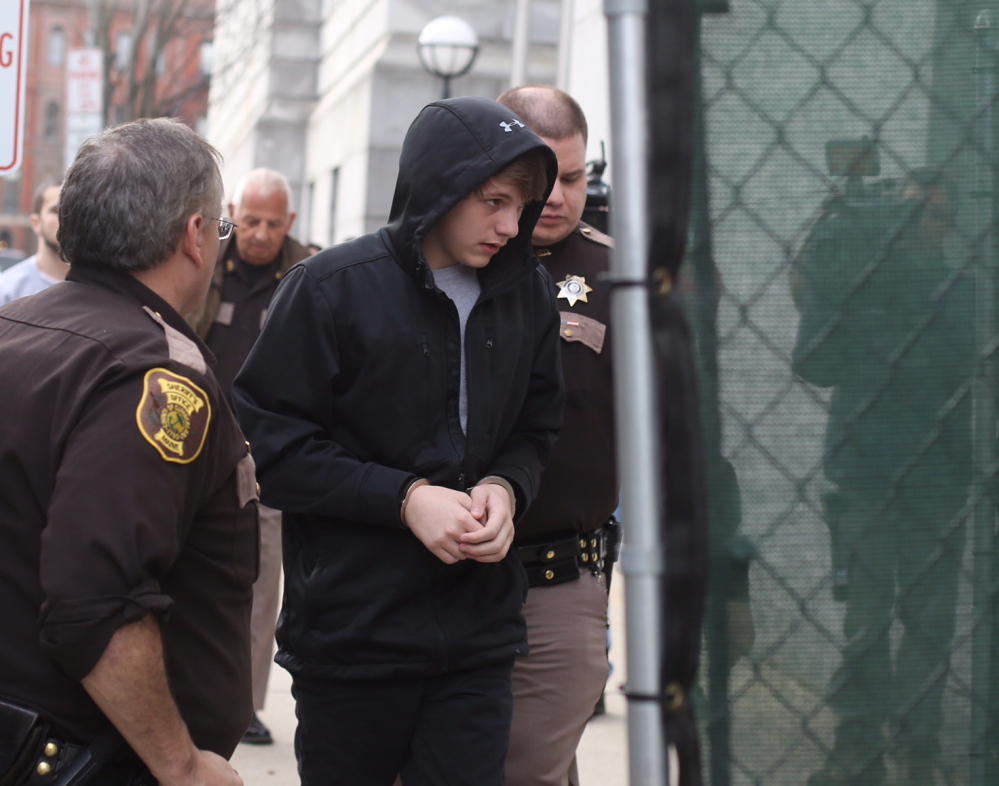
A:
[(573, 288)]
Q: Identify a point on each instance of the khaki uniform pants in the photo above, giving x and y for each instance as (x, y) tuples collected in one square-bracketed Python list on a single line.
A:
[(556, 687), (266, 593)]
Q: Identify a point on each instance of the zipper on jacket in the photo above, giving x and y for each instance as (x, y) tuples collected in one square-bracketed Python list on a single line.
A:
[(454, 322), (488, 389), (424, 399)]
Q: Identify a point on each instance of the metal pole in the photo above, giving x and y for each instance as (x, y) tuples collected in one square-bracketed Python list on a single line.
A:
[(984, 408), (564, 46), (634, 382), (705, 313), (521, 38), (90, 34)]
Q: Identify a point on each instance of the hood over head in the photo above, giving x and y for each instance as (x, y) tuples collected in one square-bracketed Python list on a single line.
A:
[(451, 148)]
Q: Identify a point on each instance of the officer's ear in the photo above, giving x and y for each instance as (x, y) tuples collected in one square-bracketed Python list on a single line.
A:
[(196, 242)]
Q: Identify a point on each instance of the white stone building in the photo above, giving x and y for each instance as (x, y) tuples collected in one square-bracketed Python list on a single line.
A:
[(324, 90)]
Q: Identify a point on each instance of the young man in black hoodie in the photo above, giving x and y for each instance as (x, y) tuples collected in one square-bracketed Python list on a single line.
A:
[(401, 402)]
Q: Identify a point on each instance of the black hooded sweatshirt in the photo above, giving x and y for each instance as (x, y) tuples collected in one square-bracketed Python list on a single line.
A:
[(352, 392)]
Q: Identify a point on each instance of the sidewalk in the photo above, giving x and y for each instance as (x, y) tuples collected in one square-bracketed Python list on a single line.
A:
[(603, 753)]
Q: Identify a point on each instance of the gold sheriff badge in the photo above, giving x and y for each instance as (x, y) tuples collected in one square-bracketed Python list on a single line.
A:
[(574, 288)]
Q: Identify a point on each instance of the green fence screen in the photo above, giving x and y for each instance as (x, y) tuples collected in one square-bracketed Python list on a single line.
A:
[(842, 284)]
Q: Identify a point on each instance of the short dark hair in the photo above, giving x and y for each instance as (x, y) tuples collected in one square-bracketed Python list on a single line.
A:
[(529, 172), (126, 198), (548, 111), (39, 196)]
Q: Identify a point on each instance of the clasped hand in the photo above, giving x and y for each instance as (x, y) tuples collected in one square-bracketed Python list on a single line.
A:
[(455, 526)]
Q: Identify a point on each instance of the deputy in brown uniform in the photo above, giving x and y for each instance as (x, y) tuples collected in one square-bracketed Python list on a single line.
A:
[(249, 268), (128, 522), (566, 536)]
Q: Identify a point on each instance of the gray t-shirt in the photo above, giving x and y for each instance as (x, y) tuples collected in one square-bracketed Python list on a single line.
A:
[(23, 279), (461, 284)]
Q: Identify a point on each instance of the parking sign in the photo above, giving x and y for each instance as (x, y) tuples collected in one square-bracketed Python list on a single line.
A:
[(13, 68), (84, 97)]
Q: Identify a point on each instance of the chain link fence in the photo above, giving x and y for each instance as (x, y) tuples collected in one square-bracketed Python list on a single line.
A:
[(842, 283)]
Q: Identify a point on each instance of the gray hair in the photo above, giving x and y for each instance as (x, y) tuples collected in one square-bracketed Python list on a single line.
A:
[(269, 179), (127, 197)]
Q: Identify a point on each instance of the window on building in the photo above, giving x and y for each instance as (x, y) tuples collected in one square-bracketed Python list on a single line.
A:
[(334, 191), (57, 46), (11, 195), (50, 127), (123, 50), (207, 57)]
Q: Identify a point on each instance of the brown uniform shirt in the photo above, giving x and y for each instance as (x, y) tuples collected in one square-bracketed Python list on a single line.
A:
[(126, 488), (579, 489)]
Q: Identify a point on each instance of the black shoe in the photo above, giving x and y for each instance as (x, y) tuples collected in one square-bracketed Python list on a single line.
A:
[(257, 734)]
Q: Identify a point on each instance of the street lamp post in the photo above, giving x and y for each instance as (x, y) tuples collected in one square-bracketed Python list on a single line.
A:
[(447, 47)]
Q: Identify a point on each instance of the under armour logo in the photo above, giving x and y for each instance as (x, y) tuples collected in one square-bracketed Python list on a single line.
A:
[(508, 127)]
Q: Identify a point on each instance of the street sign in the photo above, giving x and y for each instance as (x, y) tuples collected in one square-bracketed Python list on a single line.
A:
[(84, 98), (13, 69)]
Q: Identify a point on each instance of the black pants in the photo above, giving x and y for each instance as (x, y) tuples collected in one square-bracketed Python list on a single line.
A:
[(451, 730)]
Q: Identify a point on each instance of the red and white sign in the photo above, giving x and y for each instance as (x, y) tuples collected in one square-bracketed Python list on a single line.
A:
[(84, 81), (84, 97), (13, 70)]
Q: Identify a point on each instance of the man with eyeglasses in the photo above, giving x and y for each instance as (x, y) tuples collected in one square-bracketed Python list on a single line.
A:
[(246, 275), (128, 520)]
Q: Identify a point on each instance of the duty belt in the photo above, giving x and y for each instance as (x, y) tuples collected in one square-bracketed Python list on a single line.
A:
[(31, 756), (559, 559)]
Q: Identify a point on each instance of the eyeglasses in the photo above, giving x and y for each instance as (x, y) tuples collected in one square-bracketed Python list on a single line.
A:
[(225, 226)]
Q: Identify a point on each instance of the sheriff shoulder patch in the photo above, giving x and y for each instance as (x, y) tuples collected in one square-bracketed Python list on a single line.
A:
[(173, 415)]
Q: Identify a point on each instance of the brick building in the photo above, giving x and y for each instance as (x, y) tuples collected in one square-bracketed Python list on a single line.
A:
[(171, 80)]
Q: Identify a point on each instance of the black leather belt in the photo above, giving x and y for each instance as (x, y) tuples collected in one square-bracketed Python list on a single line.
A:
[(559, 559), (31, 756), (52, 761), (64, 764)]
